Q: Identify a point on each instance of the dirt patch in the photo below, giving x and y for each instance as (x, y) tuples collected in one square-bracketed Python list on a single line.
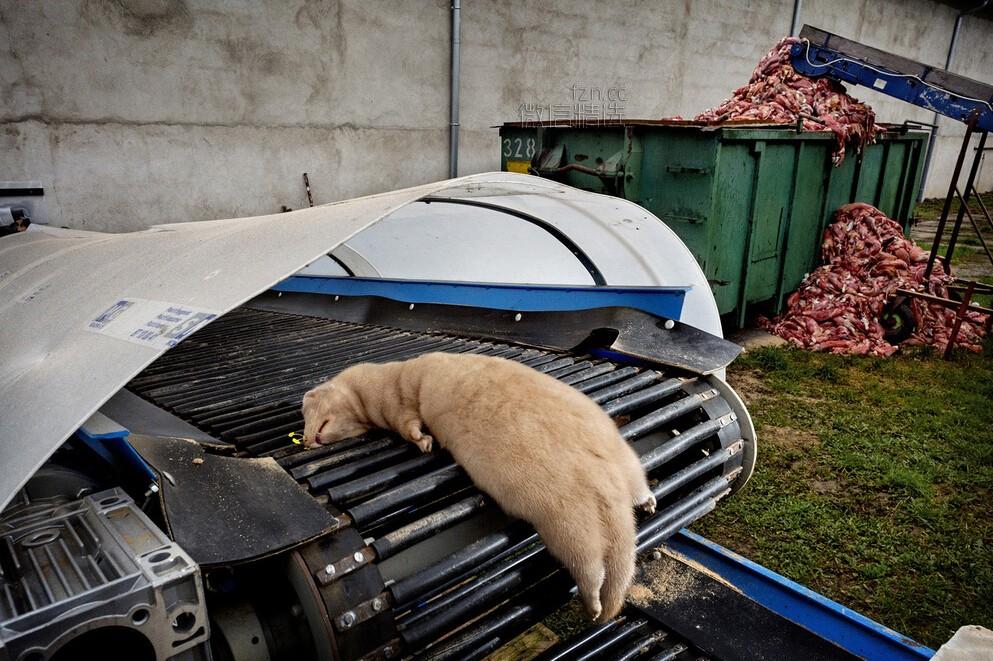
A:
[(973, 265), (749, 385), (825, 486), (755, 338), (789, 438), (869, 502)]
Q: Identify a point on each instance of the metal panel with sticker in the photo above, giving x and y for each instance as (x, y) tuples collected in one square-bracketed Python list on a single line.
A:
[(150, 323)]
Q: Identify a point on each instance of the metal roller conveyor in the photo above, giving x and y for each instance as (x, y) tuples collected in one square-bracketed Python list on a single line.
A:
[(442, 553)]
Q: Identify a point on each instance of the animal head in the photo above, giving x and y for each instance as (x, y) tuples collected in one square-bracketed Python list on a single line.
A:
[(328, 416)]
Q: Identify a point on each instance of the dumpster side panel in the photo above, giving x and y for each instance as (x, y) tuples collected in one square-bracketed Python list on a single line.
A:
[(890, 177), (909, 175), (770, 213), (914, 173), (677, 184), (839, 190), (802, 244), (518, 146), (731, 219), (869, 175), (601, 149)]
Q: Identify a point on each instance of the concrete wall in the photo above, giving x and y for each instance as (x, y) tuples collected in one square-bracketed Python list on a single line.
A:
[(135, 112), (920, 30)]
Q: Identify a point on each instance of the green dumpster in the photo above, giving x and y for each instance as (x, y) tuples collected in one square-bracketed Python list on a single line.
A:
[(750, 202)]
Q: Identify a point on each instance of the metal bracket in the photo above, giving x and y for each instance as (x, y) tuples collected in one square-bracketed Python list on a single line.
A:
[(640, 335), (333, 571), (363, 611), (390, 650), (341, 520)]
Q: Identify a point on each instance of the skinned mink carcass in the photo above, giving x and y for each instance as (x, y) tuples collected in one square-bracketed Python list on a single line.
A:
[(837, 308), (776, 93)]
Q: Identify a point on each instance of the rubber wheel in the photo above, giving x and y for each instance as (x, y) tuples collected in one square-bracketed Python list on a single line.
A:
[(898, 323)]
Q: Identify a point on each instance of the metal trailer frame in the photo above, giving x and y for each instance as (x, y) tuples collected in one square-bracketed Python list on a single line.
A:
[(968, 286)]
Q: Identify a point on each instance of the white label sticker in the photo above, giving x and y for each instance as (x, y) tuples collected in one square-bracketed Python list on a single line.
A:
[(150, 323)]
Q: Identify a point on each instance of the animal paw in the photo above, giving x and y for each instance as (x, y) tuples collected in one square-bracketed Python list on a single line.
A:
[(648, 505), (425, 442)]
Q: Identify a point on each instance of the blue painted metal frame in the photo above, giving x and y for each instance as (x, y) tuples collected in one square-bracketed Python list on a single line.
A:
[(114, 446), (813, 60), (664, 302), (828, 619)]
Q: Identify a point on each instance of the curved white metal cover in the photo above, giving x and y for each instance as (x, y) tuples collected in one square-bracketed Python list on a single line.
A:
[(462, 243), (81, 313), (442, 241)]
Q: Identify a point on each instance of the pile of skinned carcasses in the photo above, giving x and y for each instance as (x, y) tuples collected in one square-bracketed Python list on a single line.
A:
[(838, 306), (778, 94)]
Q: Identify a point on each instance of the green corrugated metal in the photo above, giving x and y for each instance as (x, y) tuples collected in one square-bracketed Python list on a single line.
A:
[(751, 203)]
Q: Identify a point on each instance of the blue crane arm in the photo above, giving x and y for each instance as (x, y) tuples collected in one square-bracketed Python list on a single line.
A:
[(821, 53)]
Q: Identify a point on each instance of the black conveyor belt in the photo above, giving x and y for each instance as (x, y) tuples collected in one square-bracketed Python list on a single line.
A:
[(241, 379)]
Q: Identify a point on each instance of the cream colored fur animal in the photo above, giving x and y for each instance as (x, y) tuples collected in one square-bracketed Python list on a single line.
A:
[(542, 450)]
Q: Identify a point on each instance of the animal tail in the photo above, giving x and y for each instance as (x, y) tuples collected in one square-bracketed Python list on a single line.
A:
[(618, 561)]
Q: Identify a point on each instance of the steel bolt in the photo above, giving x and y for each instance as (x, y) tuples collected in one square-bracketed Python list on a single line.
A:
[(517, 317), (347, 620), (388, 651), (669, 324), (377, 604), (358, 556), (656, 555), (329, 570)]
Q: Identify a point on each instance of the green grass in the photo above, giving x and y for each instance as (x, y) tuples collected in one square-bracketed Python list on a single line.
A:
[(874, 483), (930, 209), (960, 254)]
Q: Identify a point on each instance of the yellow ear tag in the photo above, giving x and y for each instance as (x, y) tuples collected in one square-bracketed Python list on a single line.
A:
[(296, 437)]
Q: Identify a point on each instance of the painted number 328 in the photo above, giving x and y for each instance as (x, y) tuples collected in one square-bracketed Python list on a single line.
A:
[(518, 148)]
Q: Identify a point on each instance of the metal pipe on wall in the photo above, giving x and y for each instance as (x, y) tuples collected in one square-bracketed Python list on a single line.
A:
[(795, 24), (453, 142), (948, 66)]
